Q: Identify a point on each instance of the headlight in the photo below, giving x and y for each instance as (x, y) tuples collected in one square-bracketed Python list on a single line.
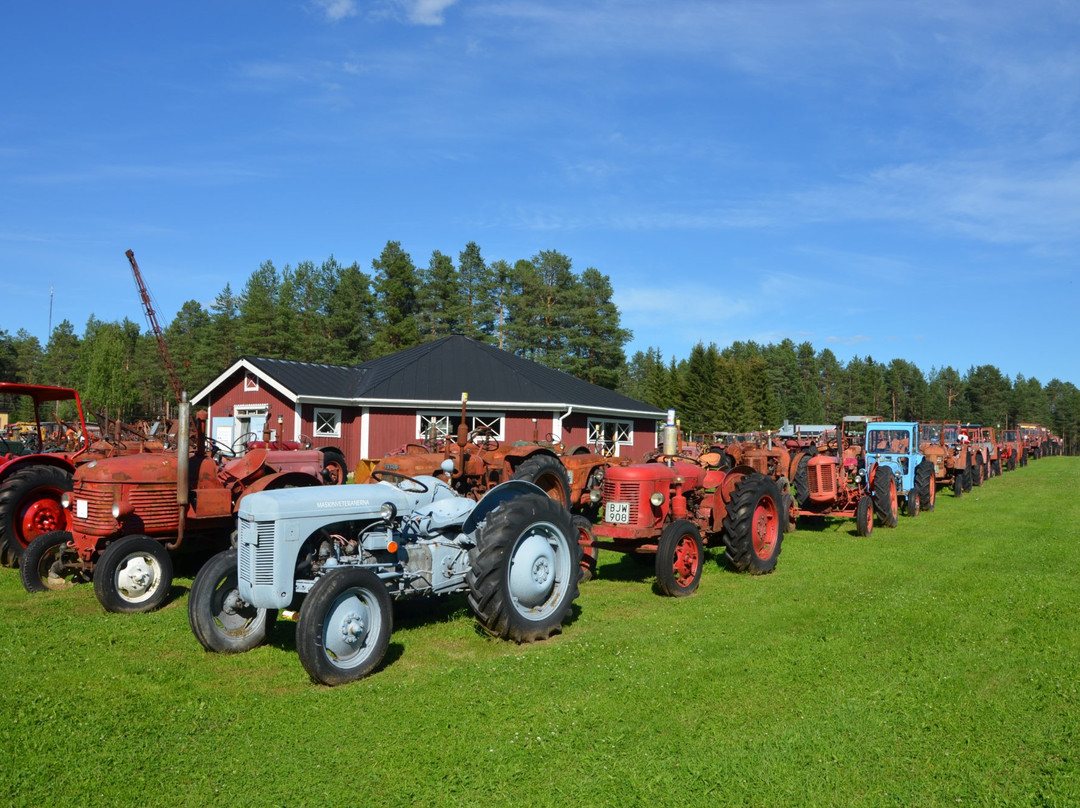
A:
[(388, 511), (65, 500), (657, 499)]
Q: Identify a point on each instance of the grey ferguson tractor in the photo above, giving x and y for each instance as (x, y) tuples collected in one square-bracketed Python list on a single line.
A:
[(341, 554)]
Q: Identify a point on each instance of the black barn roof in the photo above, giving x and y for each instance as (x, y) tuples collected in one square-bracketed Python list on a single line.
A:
[(439, 372)]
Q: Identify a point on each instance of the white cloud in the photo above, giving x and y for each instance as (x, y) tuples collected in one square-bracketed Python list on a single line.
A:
[(336, 10), (425, 12)]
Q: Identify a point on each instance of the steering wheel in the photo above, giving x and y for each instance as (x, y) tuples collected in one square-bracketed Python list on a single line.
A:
[(304, 441), (218, 449), (418, 487), (239, 444), (483, 439)]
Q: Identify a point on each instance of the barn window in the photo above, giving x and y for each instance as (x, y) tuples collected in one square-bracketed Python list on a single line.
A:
[(251, 383), (327, 423), (607, 436), (439, 425)]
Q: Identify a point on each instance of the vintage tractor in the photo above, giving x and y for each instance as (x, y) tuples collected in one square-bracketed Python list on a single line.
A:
[(945, 446), (341, 555), (35, 477), (985, 459), (831, 480), (897, 470), (668, 510), (126, 514), (479, 462), (1013, 449)]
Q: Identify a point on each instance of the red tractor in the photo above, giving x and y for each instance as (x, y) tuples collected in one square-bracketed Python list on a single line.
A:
[(670, 509), (833, 482), (473, 463), (36, 470), (126, 514)]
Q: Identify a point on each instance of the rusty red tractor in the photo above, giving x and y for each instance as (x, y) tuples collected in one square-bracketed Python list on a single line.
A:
[(127, 514), (948, 448), (669, 510), (35, 474), (833, 482), (475, 462)]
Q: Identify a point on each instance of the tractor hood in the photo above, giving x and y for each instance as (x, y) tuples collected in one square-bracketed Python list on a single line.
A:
[(144, 469), (340, 502)]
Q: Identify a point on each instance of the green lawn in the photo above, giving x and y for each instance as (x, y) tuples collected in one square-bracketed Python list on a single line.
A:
[(934, 664)]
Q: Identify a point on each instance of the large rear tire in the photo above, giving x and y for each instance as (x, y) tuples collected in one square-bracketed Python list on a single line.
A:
[(977, 473), (133, 575), (30, 507), (753, 532), (885, 502), (801, 483), (219, 618), (549, 474), (344, 627), (524, 570)]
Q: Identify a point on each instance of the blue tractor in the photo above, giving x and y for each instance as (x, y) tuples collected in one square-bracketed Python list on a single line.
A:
[(897, 471)]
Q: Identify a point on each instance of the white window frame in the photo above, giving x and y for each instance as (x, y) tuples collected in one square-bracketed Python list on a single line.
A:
[(494, 420), (334, 413), (621, 433), (251, 383)]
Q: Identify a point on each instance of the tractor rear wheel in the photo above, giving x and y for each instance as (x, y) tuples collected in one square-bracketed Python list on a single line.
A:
[(133, 575), (977, 471), (885, 496), (50, 564), (752, 528), (30, 507), (345, 626), (864, 516), (925, 485), (801, 483), (679, 559), (967, 479), (334, 471), (219, 619), (549, 474), (524, 570), (589, 552)]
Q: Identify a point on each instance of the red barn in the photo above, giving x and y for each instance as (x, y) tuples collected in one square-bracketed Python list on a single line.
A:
[(374, 408)]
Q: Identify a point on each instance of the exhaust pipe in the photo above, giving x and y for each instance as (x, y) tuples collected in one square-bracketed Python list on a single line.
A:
[(183, 465)]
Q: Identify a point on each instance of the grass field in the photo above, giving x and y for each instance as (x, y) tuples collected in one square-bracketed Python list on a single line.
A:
[(934, 664)]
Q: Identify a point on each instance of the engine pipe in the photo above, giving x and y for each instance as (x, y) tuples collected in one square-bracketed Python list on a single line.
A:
[(183, 467)]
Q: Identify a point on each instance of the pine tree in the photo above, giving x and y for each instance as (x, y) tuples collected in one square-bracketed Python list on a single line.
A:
[(442, 308), (351, 317), (396, 298), (477, 284)]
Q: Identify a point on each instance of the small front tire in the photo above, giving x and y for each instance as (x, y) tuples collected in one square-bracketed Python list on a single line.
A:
[(133, 575), (220, 620), (679, 558), (49, 563), (344, 627), (864, 517)]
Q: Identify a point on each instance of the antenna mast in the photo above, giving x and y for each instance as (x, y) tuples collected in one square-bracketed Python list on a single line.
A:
[(163, 349)]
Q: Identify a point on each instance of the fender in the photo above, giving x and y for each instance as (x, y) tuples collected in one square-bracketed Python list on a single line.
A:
[(36, 460), (281, 479), (496, 497)]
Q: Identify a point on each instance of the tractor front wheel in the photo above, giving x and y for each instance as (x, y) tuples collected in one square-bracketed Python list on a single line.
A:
[(133, 575), (885, 496), (753, 531), (334, 471), (911, 503), (864, 516), (977, 472), (679, 558), (220, 619), (925, 485), (344, 627), (524, 570), (589, 552), (49, 563)]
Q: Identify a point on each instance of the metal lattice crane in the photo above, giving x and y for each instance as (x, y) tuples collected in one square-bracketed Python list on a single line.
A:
[(163, 349)]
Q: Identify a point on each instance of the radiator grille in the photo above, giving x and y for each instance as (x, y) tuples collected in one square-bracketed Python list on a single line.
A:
[(153, 508), (256, 552), (822, 479), (615, 491)]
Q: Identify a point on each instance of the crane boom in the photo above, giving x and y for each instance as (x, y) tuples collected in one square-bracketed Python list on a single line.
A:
[(163, 349)]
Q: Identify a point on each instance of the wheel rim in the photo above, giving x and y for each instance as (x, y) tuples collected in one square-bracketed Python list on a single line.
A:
[(138, 577), (233, 615), (685, 561), (552, 485), (52, 570), (893, 505), (352, 628), (44, 515), (539, 571), (765, 527)]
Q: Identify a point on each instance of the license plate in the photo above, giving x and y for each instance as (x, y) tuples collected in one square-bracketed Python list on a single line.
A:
[(617, 513)]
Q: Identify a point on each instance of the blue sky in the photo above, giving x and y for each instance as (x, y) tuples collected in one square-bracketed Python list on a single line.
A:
[(884, 179)]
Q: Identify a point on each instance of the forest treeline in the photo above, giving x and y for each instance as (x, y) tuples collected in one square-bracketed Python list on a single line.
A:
[(540, 308)]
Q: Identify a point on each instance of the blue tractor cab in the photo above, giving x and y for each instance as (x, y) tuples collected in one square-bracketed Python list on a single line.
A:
[(897, 471)]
